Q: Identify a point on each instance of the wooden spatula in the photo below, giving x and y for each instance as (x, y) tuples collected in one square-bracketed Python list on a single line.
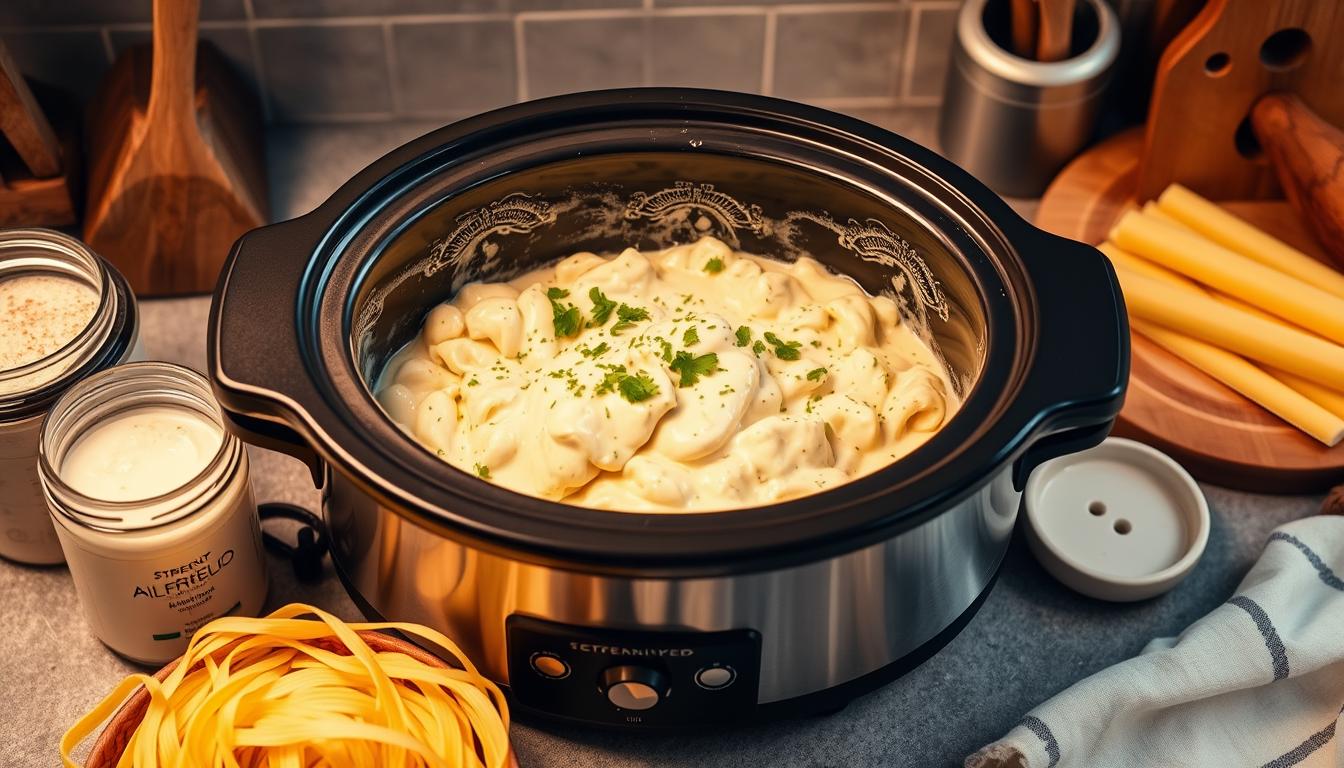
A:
[(174, 179)]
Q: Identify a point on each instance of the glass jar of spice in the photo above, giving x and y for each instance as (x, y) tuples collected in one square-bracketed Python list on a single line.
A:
[(64, 314)]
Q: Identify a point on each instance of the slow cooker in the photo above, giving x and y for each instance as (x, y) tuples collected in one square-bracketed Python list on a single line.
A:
[(670, 620)]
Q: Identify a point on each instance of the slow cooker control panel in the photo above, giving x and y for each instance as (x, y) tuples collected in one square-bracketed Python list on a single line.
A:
[(633, 679)]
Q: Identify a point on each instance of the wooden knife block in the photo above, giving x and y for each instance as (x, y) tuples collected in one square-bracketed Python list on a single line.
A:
[(176, 170), (1235, 51)]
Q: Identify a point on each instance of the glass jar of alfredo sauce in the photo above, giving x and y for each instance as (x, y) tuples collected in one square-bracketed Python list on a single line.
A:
[(64, 314), (152, 503)]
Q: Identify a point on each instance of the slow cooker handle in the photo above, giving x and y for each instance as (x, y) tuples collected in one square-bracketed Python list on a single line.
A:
[(256, 368), (1080, 368)]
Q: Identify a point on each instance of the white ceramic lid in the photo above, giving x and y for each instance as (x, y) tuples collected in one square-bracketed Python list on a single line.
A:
[(1121, 521)]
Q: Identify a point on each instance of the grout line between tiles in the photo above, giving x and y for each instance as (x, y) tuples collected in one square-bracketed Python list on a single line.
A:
[(259, 63), (828, 8), (390, 64), (328, 118), (105, 35), (520, 59), (249, 13), (907, 74), (856, 102), (768, 53), (646, 56)]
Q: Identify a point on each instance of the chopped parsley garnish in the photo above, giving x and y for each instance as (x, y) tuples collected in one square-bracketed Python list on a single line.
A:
[(690, 337), (627, 316), (602, 307), (714, 265), (758, 347), (743, 336), (692, 368), (483, 471), (638, 387), (815, 374), (473, 382), (784, 350), (634, 388), (598, 351), (565, 317), (667, 350)]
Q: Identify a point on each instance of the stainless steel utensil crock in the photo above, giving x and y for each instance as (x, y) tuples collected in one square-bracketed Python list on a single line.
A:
[(1014, 122)]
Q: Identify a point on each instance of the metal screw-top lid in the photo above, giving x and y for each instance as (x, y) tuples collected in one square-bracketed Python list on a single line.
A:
[(1121, 521)]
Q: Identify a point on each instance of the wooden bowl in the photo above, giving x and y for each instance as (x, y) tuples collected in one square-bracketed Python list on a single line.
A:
[(111, 743)]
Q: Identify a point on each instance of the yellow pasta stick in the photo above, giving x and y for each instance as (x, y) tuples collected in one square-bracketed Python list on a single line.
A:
[(1236, 234), (1201, 317), (1259, 387), (1184, 251)]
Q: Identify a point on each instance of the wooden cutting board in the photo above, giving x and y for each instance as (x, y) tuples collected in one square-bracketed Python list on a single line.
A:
[(1220, 436)]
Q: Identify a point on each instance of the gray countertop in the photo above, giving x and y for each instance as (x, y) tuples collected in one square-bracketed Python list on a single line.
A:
[(1031, 639)]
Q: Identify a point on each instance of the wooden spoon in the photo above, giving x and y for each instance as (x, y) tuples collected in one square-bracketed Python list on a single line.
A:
[(167, 200)]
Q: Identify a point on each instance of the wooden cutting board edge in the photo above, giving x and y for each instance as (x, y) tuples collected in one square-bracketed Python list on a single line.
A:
[(1218, 435)]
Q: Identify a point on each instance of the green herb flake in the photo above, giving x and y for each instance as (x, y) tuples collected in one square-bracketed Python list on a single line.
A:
[(758, 347), (637, 388), (691, 368), (473, 382), (565, 317), (816, 374), (483, 471), (743, 336), (602, 307), (784, 350), (714, 265), (690, 337), (667, 350), (627, 316), (598, 351)]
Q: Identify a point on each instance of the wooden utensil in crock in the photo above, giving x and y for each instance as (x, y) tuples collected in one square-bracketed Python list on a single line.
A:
[(111, 743)]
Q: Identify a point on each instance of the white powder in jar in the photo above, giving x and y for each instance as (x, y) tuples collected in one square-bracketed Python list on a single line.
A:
[(39, 314)]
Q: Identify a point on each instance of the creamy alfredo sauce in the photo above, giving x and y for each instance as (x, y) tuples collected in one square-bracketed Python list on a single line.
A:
[(141, 453), (690, 379)]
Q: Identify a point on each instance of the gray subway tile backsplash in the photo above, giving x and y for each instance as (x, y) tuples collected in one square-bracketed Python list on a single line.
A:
[(82, 12), (233, 41), (932, 26), (271, 9), (454, 67), (331, 60), (325, 70), (840, 55), (565, 55), (73, 60), (714, 51)]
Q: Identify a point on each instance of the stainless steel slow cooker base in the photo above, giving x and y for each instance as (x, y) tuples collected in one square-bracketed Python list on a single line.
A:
[(881, 604)]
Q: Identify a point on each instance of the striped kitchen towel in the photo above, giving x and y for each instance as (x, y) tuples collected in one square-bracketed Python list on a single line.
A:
[(1259, 681)]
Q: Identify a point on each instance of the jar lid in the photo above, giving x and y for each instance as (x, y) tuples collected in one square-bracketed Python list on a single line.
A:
[(1120, 522)]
